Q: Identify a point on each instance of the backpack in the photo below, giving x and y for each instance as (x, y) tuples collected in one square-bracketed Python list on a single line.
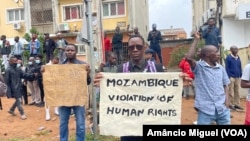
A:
[(150, 66), (3, 89)]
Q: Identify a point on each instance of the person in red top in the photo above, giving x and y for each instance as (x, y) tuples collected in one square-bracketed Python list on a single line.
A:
[(107, 45), (188, 76)]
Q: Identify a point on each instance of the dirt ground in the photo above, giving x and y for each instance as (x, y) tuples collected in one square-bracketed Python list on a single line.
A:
[(12, 127)]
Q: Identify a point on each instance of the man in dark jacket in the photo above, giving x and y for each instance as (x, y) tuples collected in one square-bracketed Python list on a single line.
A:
[(117, 44), (39, 78), (49, 46), (155, 37), (212, 34), (13, 81)]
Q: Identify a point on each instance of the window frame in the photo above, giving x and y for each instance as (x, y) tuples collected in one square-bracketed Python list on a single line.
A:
[(109, 2), (79, 49), (63, 15), (20, 16)]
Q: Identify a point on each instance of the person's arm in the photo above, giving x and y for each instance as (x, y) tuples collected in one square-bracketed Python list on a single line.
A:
[(37, 44), (149, 36), (191, 52), (53, 45), (245, 83), (219, 36), (159, 37), (204, 33), (227, 95), (227, 66)]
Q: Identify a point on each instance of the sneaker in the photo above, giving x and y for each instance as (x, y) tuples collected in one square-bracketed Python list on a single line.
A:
[(232, 107), (195, 122), (47, 117), (23, 117), (12, 113), (238, 107), (32, 103)]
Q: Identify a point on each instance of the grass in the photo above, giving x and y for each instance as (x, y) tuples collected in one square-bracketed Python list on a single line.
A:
[(89, 137)]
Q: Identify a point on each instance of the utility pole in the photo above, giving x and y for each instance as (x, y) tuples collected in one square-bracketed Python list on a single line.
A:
[(92, 65)]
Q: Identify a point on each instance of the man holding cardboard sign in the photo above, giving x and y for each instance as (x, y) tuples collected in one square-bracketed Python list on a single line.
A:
[(66, 86)]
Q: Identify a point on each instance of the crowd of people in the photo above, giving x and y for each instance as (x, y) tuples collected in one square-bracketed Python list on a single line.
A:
[(216, 87)]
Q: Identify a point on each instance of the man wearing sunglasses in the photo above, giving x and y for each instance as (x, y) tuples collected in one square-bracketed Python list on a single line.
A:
[(137, 63)]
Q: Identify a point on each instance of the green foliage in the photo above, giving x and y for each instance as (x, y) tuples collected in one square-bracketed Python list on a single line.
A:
[(177, 55), (179, 52)]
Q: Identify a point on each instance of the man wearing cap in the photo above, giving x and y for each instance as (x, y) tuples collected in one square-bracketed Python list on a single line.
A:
[(154, 37), (48, 47), (149, 53)]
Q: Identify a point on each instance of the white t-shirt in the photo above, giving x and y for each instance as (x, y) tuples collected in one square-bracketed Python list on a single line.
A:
[(246, 76)]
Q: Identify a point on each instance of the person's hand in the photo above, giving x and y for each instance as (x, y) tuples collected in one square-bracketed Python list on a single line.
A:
[(97, 79), (88, 69), (42, 69), (197, 35)]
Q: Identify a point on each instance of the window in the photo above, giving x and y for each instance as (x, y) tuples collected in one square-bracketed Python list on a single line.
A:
[(113, 9), (81, 49), (72, 12), (15, 15)]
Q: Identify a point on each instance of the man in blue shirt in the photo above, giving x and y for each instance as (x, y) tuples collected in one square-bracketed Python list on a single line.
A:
[(234, 71), (211, 99), (34, 46)]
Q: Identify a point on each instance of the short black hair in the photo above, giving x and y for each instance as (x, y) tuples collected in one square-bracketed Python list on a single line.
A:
[(135, 36), (55, 58), (75, 46), (39, 56)]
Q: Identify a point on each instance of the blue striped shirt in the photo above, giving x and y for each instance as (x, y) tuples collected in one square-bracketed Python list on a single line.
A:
[(209, 85)]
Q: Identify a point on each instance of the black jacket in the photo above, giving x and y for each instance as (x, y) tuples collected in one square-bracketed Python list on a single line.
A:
[(49, 49), (30, 69), (12, 77)]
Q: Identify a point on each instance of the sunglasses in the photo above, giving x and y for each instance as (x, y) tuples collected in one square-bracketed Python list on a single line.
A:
[(138, 47)]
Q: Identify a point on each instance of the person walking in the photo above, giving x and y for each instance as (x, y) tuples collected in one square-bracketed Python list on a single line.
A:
[(234, 72), (211, 83), (12, 78)]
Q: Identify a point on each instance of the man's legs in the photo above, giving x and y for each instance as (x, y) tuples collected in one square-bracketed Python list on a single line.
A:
[(205, 119), (37, 92), (32, 90), (223, 118), (64, 120), (40, 84), (79, 112), (236, 93), (157, 49)]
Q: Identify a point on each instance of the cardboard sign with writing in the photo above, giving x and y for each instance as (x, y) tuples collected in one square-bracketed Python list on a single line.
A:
[(65, 85), (129, 100)]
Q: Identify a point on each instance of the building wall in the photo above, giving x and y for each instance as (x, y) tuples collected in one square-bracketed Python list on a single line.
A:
[(199, 8), (229, 7), (7, 28), (137, 8), (71, 23), (235, 32)]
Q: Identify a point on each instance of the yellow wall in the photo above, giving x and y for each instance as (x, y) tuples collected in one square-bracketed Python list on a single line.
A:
[(71, 23), (7, 28), (110, 23)]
